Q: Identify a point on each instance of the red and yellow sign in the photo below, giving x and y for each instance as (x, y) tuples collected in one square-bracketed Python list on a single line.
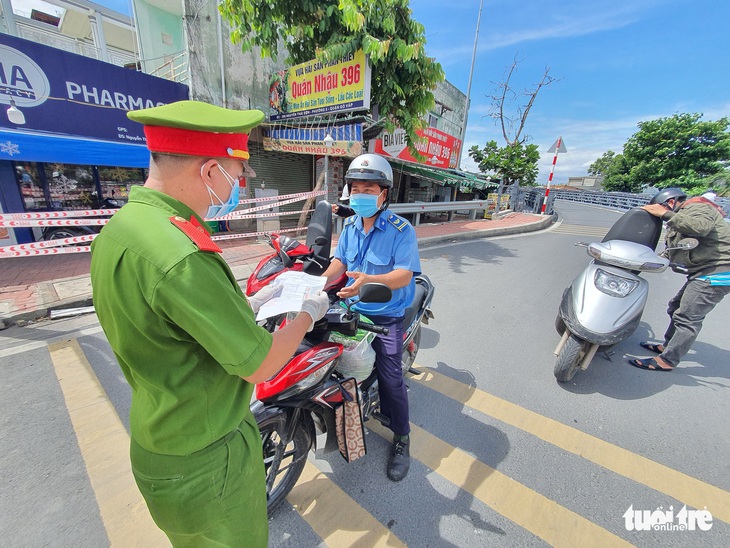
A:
[(319, 88), (439, 148)]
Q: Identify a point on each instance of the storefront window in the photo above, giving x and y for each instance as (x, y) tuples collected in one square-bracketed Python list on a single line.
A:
[(71, 186), (30, 187), (116, 182)]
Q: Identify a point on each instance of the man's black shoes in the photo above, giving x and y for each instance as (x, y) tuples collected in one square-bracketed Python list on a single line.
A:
[(400, 458)]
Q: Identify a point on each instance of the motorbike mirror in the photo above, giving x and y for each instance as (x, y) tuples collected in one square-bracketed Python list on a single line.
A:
[(686, 243), (321, 240), (375, 293)]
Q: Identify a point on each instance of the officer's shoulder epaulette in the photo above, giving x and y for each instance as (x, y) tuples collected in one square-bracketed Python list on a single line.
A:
[(197, 234), (399, 222), (351, 219)]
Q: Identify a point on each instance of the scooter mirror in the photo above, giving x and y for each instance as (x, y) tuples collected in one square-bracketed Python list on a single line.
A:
[(321, 240)]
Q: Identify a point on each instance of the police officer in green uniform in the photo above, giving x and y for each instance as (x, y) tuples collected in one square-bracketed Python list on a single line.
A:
[(184, 334)]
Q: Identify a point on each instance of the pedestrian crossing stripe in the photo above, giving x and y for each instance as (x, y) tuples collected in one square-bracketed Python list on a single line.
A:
[(536, 513), (318, 499), (580, 230), (104, 445), (682, 487)]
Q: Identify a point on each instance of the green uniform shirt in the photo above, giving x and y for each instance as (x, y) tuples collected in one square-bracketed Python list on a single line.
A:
[(179, 325)]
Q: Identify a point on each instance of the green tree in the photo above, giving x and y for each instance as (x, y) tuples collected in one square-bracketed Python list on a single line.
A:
[(678, 151), (403, 76), (514, 162), (602, 166), (615, 173)]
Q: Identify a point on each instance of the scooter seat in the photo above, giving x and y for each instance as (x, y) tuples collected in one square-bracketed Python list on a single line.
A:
[(415, 305)]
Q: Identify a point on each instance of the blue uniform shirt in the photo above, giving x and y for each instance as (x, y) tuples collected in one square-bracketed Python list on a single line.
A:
[(390, 245)]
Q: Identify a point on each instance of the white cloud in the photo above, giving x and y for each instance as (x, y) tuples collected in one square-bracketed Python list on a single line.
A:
[(585, 18)]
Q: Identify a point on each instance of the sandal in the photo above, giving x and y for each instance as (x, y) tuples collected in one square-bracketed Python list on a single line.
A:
[(650, 364), (657, 348)]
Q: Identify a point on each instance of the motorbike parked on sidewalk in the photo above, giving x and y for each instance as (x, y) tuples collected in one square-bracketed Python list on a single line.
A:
[(604, 304), (302, 399)]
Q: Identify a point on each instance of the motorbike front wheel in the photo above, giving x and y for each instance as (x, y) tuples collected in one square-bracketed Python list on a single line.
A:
[(283, 462), (569, 358)]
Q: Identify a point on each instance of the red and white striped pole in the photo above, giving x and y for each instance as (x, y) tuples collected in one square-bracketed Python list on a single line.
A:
[(557, 147)]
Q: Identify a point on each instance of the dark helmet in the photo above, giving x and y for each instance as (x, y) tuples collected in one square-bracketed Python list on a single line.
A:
[(372, 168), (669, 194)]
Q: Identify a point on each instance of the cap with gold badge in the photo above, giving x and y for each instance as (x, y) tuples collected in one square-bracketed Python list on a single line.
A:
[(194, 128)]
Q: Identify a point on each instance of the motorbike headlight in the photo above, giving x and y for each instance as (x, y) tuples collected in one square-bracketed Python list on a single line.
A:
[(611, 284)]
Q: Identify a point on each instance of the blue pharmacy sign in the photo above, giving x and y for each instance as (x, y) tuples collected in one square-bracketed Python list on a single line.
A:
[(64, 93)]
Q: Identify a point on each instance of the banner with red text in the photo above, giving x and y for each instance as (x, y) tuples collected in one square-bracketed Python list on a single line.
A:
[(439, 148)]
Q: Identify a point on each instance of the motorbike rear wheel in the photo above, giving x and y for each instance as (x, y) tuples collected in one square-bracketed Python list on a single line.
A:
[(568, 361), (283, 462)]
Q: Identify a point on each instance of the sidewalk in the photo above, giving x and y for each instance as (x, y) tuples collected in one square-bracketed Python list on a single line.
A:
[(33, 286)]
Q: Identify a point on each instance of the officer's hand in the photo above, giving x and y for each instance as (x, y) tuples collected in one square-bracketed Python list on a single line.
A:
[(264, 295), (316, 306)]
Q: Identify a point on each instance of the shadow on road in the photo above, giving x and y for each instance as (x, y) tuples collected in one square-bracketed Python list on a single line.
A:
[(617, 379), (470, 252)]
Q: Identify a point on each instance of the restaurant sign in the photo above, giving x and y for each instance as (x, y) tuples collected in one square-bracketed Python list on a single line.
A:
[(439, 148), (346, 140), (315, 87)]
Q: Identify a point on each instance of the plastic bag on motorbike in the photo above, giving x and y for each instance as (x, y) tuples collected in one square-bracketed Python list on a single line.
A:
[(358, 356), (349, 423)]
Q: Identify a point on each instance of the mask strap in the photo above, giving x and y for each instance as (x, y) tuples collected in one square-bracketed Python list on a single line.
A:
[(211, 192)]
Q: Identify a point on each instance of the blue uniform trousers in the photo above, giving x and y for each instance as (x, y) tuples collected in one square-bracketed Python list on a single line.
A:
[(391, 385)]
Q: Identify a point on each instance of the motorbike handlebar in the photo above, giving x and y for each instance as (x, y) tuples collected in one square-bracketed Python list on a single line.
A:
[(373, 328)]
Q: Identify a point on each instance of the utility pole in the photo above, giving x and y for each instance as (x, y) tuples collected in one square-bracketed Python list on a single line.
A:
[(468, 86)]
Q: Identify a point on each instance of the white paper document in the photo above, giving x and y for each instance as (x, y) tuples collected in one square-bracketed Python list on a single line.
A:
[(296, 287)]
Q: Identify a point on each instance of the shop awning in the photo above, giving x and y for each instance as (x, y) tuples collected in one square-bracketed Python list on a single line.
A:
[(443, 177), (29, 146)]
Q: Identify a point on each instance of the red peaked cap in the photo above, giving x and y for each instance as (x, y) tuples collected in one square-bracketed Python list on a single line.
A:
[(194, 128), (172, 140)]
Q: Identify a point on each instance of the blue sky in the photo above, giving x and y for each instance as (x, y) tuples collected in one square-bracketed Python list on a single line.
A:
[(619, 62)]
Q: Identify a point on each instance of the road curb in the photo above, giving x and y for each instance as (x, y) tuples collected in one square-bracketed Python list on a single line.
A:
[(488, 232)]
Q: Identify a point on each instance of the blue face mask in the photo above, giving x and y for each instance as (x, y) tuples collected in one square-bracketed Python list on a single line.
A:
[(223, 208), (365, 205)]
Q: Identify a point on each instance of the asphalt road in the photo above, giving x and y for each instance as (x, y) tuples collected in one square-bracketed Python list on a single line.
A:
[(503, 455)]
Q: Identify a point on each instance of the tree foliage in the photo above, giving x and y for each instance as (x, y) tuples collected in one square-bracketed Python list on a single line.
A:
[(515, 162), (678, 151), (403, 76)]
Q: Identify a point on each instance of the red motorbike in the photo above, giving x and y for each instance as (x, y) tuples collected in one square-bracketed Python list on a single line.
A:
[(301, 400), (312, 257)]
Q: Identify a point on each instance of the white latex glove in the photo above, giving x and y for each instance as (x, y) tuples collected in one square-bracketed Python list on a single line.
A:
[(316, 306), (264, 295)]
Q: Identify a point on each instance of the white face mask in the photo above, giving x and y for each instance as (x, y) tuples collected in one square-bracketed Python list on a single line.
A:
[(222, 208)]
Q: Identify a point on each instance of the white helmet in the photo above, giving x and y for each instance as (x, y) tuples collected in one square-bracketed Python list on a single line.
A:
[(370, 167)]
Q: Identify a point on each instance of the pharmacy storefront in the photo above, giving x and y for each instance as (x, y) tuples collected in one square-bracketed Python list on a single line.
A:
[(65, 140)]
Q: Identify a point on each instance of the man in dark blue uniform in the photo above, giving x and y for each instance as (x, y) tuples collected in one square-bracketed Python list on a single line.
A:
[(378, 246)]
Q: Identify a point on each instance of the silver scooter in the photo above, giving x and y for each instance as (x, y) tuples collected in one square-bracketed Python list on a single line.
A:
[(604, 304)]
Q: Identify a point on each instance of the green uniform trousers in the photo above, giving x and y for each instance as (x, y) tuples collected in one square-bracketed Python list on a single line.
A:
[(214, 497)]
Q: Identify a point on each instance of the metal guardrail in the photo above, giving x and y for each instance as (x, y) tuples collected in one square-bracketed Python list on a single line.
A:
[(419, 208), (615, 200)]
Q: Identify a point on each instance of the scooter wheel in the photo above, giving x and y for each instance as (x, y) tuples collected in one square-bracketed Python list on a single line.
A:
[(568, 361)]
